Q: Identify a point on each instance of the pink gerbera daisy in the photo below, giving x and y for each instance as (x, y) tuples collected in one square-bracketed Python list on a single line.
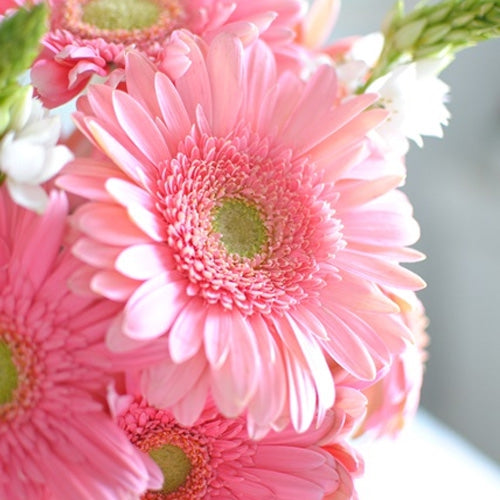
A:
[(393, 400), (56, 438), (215, 459), (229, 227), (89, 37)]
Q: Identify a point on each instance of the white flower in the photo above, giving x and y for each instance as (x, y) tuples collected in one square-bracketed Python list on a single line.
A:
[(354, 69), (414, 97), (29, 154)]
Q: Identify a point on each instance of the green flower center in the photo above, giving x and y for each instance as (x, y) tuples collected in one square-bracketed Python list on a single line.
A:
[(8, 374), (241, 227), (121, 14), (174, 464)]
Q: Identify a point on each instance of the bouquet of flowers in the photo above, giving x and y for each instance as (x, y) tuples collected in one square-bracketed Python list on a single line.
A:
[(202, 293)]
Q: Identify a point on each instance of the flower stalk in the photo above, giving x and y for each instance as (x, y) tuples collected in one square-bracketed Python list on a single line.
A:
[(435, 31)]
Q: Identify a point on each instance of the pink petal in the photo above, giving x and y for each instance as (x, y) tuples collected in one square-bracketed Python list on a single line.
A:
[(380, 228), (116, 150), (154, 306), (91, 252), (234, 383), (149, 221), (142, 262), (225, 70), (173, 111), (261, 75), (301, 393), (140, 128), (186, 335), (345, 347), (378, 270), (127, 193), (113, 285), (108, 224), (218, 324), (194, 85), (355, 192), (140, 78), (189, 408), (166, 383)]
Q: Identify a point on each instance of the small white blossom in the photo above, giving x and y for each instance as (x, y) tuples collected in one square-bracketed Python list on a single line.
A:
[(358, 61), (415, 98), (29, 154)]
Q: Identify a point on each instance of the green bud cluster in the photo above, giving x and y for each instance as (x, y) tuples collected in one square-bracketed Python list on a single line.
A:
[(19, 41), (20, 35), (436, 31)]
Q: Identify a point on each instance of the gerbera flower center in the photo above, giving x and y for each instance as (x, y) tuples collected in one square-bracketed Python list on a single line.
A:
[(174, 464), (121, 14), (241, 227), (8, 374), (181, 455), (21, 373), (138, 22)]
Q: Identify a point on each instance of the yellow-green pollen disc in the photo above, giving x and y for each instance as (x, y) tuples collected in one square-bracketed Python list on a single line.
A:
[(8, 374), (241, 226), (174, 464), (121, 14)]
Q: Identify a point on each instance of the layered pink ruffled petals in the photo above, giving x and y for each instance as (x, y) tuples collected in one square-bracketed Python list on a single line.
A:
[(58, 83), (335, 232), (280, 465), (56, 419), (393, 400)]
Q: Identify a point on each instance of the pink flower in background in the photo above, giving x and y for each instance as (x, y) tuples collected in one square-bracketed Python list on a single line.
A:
[(215, 459), (394, 399), (56, 438), (88, 38), (9, 6), (231, 229)]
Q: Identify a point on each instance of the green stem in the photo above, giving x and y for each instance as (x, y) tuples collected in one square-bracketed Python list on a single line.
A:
[(435, 31)]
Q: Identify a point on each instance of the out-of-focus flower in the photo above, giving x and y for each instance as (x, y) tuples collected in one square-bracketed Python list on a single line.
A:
[(90, 38), (215, 459), (394, 399), (415, 98), (354, 58), (29, 153), (317, 24), (7, 7), (58, 439), (240, 228)]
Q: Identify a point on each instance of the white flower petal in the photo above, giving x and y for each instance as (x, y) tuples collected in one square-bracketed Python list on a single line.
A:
[(55, 160), (45, 132), (27, 195), (22, 161)]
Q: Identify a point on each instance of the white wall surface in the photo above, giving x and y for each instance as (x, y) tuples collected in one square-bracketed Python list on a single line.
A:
[(454, 184)]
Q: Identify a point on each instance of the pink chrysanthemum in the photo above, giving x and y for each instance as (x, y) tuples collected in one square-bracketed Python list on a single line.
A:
[(89, 37), (229, 226), (215, 459), (56, 439), (394, 399)]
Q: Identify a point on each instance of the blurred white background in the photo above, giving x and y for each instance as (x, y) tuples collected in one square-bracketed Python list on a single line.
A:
[(454, 184)]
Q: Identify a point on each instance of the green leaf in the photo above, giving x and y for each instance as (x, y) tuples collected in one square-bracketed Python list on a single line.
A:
[(20, 36)]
